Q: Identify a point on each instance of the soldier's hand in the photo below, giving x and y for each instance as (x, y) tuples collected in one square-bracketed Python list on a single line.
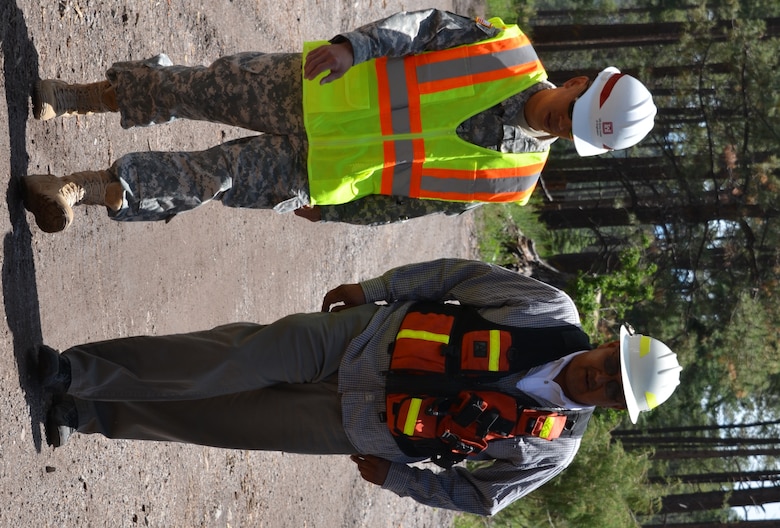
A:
[(337, 58), (311, 213), (373, 469), (344, 296)]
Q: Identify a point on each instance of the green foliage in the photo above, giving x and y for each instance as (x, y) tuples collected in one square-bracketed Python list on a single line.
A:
[(602, 299), (611, 296), (512, 11), (706, 285), (734, 349), (499, 225), (602, 488)]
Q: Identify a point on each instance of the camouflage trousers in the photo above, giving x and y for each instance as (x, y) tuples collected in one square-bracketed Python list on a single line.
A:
[(256, 91)]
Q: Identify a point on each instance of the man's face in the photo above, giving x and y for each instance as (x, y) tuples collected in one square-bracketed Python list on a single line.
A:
[(550, 110), (593, 378)]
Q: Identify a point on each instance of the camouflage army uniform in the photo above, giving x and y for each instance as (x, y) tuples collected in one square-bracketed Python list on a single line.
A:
[(263, 92)]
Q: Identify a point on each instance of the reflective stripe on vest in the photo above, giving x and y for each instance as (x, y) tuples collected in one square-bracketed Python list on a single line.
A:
[(423, 336), (547, 428), (493, 351), (411, 418), (390, 126), (494, 343), (442, 399), (402, 85)]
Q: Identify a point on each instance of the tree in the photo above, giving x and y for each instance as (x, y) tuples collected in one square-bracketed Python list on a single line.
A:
[(704, 190), (713, 500)]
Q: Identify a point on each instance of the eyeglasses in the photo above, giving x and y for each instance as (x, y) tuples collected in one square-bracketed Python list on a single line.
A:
[(571, 105)]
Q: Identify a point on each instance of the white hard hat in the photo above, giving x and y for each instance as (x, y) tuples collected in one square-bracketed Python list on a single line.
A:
[(650, 372), (614, 113)]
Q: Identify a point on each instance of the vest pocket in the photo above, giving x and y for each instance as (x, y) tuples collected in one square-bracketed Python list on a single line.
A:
[(486, 350), (422, 342), (350, 92), (407, 416)]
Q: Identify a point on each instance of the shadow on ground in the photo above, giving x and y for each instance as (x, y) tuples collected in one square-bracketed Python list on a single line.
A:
[(20, 291)]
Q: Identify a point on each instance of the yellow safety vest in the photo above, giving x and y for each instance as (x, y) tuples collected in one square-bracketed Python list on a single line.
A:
[(389, 125)]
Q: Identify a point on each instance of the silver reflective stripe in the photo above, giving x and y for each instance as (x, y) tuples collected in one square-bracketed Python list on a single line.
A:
[(476, 186), (399, 96), (439, 71), (402, 171), (401, 121)]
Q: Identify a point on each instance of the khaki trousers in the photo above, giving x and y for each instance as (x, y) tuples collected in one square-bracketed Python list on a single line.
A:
[(241, 386)]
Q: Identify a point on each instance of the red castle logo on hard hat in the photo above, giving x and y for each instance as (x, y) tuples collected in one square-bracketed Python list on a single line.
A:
[(607, 128)]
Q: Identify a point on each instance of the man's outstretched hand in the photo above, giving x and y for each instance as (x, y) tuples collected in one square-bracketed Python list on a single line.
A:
[(337, 58), (373, 469), (344, 296)]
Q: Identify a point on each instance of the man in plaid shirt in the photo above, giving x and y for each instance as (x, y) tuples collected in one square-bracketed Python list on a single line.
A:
[(315, 383)]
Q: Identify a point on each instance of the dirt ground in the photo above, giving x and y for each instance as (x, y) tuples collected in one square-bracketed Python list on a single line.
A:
[(102, 279)]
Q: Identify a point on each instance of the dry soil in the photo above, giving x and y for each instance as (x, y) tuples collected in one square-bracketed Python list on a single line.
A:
[(102, 279)]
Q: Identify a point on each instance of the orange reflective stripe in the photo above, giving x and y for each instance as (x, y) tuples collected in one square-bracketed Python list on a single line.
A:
[(466, 80), (415, 182), (513, 172), (441, 56), (476, 49), (461, 184), (445, 69), (415, 127), (388, 167), (401, 85), (386, 126), (383, 89), (507, 197)]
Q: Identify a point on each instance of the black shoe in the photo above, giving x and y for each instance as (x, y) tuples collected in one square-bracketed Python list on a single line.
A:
[(62, 419), (53, 370)]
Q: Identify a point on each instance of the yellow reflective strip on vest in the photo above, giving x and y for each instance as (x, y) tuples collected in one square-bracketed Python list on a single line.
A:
[(494, 352), (411, 417), (546, 429), (422, 335)]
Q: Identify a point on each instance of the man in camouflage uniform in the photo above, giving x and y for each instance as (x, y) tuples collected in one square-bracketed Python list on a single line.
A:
[(263, 92)]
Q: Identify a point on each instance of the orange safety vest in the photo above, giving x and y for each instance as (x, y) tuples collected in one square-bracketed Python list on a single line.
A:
[(439, 401), (389, 125)]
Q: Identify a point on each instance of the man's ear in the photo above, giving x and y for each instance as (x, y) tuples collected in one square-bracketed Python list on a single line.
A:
[(580, 82), (611, 344)]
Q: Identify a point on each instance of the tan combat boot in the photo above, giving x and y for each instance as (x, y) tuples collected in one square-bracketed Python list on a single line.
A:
[(52, 98), (51, 199)]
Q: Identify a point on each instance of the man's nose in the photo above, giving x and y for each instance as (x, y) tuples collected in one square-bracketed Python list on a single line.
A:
[(602, 377)]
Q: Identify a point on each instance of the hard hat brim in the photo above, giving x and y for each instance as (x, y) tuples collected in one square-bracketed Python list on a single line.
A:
[(625, 368)]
